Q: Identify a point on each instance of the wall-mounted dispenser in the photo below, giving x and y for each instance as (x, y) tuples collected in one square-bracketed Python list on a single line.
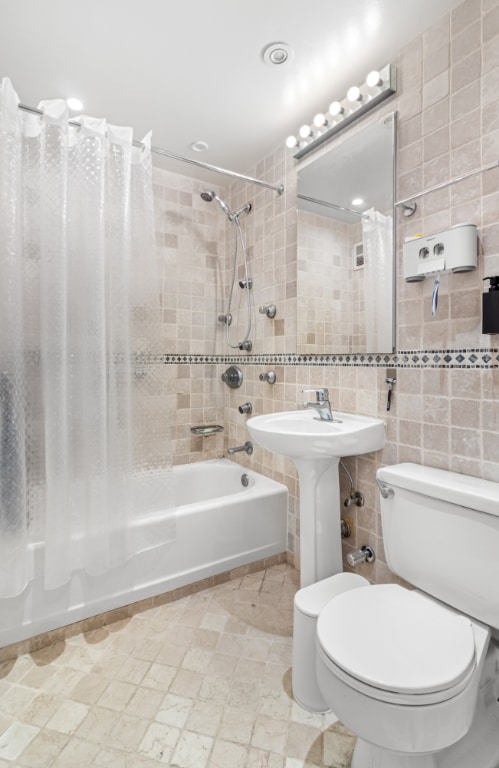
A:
[(455, 250), (490, 306)]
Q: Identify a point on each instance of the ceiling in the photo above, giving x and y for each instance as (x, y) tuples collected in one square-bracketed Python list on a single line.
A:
[(194, 71)]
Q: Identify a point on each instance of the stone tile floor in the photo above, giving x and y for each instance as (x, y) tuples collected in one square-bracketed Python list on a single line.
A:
[(201, 682)]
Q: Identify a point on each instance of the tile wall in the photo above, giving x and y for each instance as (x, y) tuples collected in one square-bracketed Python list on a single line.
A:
[(330, 301), (445, 409)]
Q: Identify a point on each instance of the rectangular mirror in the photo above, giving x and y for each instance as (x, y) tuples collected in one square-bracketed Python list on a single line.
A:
[(345, 240)]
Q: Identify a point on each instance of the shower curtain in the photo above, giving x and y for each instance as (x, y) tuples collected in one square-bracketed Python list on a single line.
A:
[(79, 315), (377, 235)]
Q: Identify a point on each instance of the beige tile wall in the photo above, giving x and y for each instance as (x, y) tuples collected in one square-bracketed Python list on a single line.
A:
[(443, 414), (330, 302)]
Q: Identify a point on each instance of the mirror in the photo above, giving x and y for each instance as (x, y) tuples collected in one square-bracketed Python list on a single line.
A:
[(345, 280)]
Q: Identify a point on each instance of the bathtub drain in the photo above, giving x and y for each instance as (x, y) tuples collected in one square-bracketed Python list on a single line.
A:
[(245, 480)]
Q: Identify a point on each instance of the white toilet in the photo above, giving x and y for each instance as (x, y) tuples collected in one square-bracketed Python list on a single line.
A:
[(414, 673)]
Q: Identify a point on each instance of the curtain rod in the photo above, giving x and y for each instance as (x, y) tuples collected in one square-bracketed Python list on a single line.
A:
[(334, 206), (166, 153), (409, 206)]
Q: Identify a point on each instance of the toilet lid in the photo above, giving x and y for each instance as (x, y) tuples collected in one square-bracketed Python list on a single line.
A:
[(397, 639)]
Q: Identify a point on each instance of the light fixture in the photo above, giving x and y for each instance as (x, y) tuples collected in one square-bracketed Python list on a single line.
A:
[(357, 201), (378, 86)]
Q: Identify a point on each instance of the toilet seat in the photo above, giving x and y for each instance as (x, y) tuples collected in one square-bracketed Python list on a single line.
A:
[(396, 644)]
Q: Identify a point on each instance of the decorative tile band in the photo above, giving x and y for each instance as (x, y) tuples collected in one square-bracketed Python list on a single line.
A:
[(435, 358)]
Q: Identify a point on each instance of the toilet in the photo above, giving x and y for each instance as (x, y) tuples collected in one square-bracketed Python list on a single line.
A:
[(414, 673)]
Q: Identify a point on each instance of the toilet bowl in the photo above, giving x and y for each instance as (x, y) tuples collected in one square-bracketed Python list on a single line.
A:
[(402, 670), (414, 673)]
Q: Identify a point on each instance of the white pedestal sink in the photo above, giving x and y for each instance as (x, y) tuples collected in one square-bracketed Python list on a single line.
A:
[(316, 447)]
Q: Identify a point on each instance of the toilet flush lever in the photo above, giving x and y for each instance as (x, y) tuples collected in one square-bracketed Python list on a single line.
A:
[(385, 489)]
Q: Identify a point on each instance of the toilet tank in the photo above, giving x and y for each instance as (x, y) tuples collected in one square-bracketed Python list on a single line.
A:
[(441, 533)]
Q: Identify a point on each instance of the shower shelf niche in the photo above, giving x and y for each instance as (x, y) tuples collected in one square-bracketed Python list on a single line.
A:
[(209, 429)]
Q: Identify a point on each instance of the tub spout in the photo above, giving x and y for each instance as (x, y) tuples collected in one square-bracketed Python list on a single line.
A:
[(248, 447)]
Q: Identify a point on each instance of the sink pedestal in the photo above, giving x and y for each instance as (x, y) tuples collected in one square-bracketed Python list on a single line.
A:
[(315, 446), (320, 519)]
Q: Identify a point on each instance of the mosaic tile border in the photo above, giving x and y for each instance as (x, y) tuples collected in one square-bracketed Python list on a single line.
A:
[(435, 358)]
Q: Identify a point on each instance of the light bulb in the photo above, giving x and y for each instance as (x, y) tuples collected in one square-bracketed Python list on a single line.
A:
[(354, 94), (357, 201), (305, 132), (74, 104), (320, 120), (373, 79), (291, 142), (335, 109)]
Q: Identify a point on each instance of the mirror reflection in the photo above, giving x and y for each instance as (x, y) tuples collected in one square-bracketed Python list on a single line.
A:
[(345, 280)]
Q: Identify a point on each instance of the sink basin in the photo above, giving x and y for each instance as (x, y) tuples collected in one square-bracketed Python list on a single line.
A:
[(316, 448), (302, 435)]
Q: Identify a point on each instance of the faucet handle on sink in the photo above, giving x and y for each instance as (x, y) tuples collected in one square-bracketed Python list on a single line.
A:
[(322, 393)]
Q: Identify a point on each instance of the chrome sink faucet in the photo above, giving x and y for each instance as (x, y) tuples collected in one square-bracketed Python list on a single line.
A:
[(321, 404)]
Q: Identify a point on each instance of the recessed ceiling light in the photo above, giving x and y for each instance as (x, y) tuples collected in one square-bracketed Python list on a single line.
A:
[(199, 146), (357, 201), (75, 105), (275, 54)]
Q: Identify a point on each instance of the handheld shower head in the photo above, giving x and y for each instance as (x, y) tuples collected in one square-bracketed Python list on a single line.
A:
[(208, 195)]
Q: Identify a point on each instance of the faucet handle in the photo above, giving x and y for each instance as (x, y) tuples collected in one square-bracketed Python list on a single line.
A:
[(322, 393)]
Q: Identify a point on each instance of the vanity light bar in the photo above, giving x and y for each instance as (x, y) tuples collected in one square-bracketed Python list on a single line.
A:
[(377, 87)]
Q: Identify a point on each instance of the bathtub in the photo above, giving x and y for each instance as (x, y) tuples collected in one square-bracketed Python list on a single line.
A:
[(219, 524)]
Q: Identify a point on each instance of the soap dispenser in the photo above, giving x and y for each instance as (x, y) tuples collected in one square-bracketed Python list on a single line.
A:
[(490, 306)]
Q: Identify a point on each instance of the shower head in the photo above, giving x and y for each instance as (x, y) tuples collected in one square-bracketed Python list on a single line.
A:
[(208, 195)]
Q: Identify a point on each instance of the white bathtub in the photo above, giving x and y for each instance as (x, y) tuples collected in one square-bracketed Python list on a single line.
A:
[(219, 524)]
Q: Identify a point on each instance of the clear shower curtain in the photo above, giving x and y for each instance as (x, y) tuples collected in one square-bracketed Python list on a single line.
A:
[(79, 313), (377, 235)]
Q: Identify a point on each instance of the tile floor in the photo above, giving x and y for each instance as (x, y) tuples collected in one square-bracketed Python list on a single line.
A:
[(201, 682)]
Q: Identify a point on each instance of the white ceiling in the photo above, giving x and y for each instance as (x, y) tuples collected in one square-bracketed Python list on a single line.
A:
[(192, 70)]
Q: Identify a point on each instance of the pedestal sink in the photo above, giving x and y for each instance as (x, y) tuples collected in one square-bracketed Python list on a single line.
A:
[(316, 447)]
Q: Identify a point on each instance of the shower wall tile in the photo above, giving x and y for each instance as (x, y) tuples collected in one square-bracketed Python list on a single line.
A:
[(331, 296)]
